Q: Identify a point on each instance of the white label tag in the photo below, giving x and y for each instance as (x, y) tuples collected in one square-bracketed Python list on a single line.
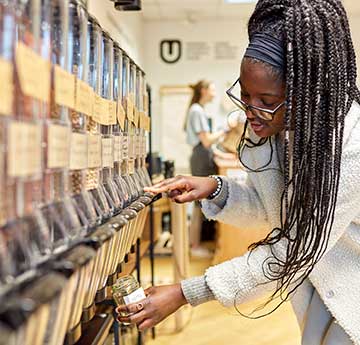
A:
[(136, 296), (117, 148), (78, 153), (107, 153)]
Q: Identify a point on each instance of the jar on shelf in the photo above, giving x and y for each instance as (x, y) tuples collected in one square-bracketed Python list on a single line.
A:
[(133, 130), (93, 177), (58, 209), (118, 128), (127, 163), (108, 120), (78, 56), (28, 234), (144, 118)]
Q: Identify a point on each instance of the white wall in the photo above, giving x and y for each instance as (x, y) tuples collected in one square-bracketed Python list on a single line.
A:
[(186, 71), (125, 27)]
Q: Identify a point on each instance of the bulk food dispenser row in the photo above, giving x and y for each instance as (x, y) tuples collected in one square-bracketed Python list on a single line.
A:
[(73, 132)]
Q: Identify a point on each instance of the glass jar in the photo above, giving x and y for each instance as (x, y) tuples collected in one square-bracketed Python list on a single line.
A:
[(107, 84), (59, 210), (78, 53), (119, 127), (140, 132), (127, 290), (133, 130), (28, 235), (128, 164), (93, 180), (143, 149)]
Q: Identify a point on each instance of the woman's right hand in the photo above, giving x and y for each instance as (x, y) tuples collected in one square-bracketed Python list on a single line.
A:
[(185, 188)]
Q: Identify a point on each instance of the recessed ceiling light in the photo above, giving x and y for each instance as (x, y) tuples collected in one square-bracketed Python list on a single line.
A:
[(239, 1)]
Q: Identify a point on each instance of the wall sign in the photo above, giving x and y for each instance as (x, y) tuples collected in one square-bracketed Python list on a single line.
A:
[(170, 51)]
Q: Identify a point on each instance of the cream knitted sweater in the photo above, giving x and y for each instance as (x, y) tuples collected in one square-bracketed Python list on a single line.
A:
[(256, 204)]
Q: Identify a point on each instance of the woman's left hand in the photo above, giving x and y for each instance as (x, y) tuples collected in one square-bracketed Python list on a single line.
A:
[(160, 302)]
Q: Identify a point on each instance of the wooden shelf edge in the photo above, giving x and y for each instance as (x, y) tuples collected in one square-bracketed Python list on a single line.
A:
[(97, 330)]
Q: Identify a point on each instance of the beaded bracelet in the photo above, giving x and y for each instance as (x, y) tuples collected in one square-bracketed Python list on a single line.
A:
[(218, 188)]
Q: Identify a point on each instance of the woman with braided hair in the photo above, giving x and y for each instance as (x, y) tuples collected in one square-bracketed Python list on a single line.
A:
[(301, 147)]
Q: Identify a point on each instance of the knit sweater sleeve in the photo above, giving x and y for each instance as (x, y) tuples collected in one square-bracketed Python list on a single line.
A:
[(243, 278), (241, 207)]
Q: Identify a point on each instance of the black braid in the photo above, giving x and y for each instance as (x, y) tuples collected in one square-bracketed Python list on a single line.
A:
[(321, 87)]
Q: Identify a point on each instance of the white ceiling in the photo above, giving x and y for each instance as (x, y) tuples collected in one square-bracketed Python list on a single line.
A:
[(197, 10)]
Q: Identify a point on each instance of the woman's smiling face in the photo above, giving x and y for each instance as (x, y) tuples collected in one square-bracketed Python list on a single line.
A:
[(262, 88)]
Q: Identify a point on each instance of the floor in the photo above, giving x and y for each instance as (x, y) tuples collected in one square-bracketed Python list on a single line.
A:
[(212, 324)]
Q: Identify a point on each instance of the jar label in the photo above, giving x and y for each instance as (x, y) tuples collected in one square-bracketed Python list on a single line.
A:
[(6, 88), (136, 117), (136, 296), (58, 150), (34, 73), (84, 98), (112, 113), (78, 151), (142, 119), (148, 123), (98, 109), (131, 166), (94, 151), (24, 149), (130, 108), (121, 116), (117, 148), (64, 87), (107, 153)]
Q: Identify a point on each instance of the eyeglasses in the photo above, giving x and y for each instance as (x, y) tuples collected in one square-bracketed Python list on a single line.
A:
[(264, 114)]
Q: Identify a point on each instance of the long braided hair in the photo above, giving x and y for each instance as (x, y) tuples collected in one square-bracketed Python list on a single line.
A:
[(321, 86)]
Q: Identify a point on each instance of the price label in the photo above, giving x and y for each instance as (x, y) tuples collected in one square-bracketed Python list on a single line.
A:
[(147, 123), (78, 152), (98, 109), (136, 117), (130, 109), (107, 153), (112, 113), (58, 150), (146, 103), (121, 116), (142, 120), (117, 148), (24, 149), (64, 87), (6, 88), (34, 73), (84, 98), (94, 151)]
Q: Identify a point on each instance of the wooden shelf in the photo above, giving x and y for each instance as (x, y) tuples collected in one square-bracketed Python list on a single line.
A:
[(97, 330)]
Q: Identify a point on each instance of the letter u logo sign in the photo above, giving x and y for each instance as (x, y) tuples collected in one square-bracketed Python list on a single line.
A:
[(170, 51)]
